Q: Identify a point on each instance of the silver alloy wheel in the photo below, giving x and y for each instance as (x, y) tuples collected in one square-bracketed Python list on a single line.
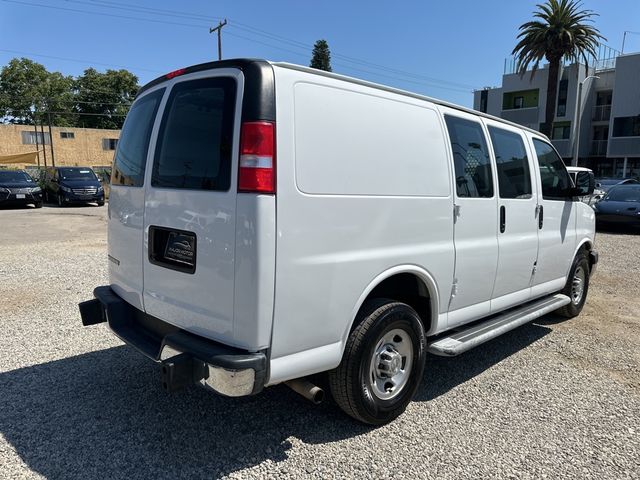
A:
[(577, 285), (390, 365)]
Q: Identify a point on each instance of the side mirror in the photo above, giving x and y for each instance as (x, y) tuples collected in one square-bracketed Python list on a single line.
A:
[(585, 183)]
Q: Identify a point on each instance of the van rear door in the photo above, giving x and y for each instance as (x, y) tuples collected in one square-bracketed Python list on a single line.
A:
[(126, 198), (190, 205)]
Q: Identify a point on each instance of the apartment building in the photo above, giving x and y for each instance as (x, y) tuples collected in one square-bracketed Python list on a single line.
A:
[(608, 140)]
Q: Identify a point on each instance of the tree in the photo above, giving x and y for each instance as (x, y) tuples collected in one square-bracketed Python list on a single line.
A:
[(562, 29), (104, 98), (321, 56), (21, 90)]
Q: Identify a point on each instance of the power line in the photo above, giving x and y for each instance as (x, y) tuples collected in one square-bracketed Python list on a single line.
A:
[(116, 5), (19, 52)]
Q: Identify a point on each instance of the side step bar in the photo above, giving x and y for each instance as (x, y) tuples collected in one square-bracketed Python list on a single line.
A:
[(479, 333)]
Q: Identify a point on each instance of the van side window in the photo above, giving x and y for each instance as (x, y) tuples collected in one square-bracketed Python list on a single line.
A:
[(553, 173), (196, 136), (514, 177), (131, 154), (470, 158)]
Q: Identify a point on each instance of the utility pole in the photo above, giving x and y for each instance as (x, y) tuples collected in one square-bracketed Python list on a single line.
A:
[(35, 128), (53, 158), (219, 30), (44, 143)]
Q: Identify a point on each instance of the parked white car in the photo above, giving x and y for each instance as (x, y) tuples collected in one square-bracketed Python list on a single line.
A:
[(284, 221)]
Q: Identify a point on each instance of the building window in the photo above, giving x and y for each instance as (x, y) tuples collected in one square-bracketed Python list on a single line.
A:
[(626, 127), (484, 97), (109, 143), (562, 98), (30, 138), (520, 99), (69, 135), (561, 131)]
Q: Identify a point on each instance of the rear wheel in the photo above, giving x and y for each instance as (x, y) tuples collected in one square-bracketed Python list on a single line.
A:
[(383, 363), (577, 286)]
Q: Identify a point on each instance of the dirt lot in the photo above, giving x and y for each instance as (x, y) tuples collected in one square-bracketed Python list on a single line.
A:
[(551, 399)]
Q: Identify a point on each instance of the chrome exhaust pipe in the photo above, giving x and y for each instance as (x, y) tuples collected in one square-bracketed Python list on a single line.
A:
[(307, 389)]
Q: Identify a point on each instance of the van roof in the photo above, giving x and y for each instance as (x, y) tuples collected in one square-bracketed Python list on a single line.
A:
[(399, 91), (244, 63)]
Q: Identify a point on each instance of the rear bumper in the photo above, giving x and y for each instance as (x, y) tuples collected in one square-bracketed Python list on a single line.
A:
[(185, 358)]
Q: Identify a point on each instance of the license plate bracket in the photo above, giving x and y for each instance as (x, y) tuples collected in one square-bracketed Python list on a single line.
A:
[(173, 249)]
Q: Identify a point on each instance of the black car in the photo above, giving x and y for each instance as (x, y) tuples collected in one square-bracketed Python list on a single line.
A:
[(66, 185), (621, 206), (18, 188)]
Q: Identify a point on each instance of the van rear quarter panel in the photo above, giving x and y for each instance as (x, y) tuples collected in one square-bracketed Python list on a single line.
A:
[(364, 185)]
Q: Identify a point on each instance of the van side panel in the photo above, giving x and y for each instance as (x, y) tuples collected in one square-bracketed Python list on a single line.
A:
[(351, 205)]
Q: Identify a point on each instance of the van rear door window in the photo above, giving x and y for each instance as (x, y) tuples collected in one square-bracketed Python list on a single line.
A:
[(131, 154), (196, 136), (470, 158)]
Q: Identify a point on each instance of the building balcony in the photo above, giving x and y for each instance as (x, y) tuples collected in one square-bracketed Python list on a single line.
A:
[(598, 148), (522, 116), (624, 147), (601, 113)]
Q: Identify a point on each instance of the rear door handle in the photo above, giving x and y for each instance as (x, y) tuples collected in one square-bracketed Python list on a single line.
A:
[(503, 219)]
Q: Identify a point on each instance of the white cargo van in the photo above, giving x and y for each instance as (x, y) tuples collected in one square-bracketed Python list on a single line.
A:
[(269, 221)]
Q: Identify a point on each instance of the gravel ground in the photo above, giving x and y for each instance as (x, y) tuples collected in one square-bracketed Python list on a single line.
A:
[(551, 399)]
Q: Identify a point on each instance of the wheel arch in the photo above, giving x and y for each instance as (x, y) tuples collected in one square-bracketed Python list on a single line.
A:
[(587, 245), (389, 283)]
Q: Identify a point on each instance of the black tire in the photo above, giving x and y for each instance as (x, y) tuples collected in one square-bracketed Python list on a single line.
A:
[(60, 201), (579, 273), (353, 384), (38, 204), (100, 204)]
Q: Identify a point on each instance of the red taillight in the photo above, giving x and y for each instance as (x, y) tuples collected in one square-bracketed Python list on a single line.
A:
[(175, 73), (257, 171)]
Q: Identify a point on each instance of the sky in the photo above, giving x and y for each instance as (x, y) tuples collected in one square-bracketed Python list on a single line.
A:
[(441, 49)]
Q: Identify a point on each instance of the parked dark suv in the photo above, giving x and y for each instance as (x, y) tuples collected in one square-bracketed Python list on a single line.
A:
[(18, 188), (66, 185)]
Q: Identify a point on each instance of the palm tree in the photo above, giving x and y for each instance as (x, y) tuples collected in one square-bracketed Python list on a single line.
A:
[(561, 29)]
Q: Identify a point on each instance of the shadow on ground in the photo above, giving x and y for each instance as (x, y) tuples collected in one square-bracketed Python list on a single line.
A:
[(103, 415)]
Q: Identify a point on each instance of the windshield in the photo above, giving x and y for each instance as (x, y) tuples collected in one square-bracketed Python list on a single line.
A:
[(77, 174), (624, 194), (14, 176)]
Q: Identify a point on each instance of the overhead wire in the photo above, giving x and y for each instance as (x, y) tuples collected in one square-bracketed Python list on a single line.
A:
[(427, 81)]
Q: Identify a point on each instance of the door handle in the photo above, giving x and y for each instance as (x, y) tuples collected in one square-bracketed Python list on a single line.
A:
[(540, 216), (503, 219)]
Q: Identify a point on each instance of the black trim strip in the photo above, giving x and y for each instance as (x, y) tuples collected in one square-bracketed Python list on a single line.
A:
[(259, 97)]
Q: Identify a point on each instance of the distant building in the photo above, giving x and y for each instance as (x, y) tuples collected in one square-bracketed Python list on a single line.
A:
[(71, 146), (609, 111)]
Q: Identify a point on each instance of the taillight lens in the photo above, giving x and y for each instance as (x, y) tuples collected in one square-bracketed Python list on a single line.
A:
[(257, 171)]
